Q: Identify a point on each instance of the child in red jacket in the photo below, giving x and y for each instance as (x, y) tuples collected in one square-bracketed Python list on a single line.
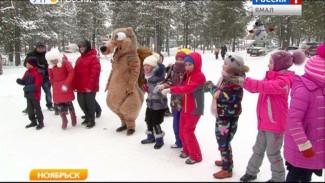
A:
[(33, 80), (192, 106), (61, 75)]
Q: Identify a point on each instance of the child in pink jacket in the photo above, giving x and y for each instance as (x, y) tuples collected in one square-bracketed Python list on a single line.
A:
[(192, 106), (304, 137), (272, 110)]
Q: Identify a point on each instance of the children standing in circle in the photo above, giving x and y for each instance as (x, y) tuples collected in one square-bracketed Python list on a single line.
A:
[(33, 80), (61, 75), (228, 99), (175, 77), (192, 107), (272, 110), (304, 136), (156, 102)]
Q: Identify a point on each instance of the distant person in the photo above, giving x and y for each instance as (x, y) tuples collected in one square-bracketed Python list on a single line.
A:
[(304, 136), (216, 52), (223, 51), (272, 111), (32, 81), (87, 72), (39, 52), (61, 75)]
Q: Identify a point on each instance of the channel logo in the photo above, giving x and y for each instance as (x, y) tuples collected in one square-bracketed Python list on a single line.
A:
[(43, 1), (277, 7), (58, 174)]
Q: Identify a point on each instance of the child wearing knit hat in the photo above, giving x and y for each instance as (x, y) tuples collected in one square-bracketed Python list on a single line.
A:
[(272, 111), (154, 73), (61, 75), (226, 106), (304, 136), (32, 81), (174, 77)]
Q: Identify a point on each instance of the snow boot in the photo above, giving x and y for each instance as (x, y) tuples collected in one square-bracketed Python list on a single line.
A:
[(191, 161), (63, 115), (73, 117), (183, 155), (159, 135), (247, 178), (32, 124), (90, 124), (40, 126), (150, 138), (130, 132), (121, 128), (222, 174), (218, 163)]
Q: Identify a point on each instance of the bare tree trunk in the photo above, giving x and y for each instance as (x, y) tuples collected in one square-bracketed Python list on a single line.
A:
[(1, 72), (17, 36)]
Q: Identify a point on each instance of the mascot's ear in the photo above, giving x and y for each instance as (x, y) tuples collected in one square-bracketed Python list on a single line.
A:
[(130, 31)]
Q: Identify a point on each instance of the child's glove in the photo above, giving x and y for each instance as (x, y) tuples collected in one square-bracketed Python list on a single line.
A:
[(165, 91), (160, 87), (19, 81), (64, 88), (237, 80), (207, 86), (309, 153), (145, 88)]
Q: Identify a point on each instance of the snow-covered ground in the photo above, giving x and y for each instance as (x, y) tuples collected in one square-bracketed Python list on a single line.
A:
[(112, 156)]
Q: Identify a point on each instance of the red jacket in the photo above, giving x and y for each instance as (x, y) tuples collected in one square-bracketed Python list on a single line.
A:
[(87, 71), (32, 80), (194, 80), (62, 74)]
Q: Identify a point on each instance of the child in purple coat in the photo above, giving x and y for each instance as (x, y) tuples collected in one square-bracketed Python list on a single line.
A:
[(305, 133)]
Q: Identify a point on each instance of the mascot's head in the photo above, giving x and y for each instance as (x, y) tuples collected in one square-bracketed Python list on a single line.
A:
[(123, 41)]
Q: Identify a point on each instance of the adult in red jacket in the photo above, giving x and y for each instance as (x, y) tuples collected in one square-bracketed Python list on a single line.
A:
[(61, 75), (87, 71), (192, 107)]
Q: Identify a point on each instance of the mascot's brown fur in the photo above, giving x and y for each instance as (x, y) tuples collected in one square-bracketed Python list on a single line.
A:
[(124, 96), (143, 52)]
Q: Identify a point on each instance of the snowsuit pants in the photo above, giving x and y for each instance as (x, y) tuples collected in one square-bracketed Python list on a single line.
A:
[(226, 128), (186, 131), (87, 104), (153, 119), (176, 120), (271, 143), (34, 111)]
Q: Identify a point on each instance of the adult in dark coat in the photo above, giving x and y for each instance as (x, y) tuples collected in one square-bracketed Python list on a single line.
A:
[(39, 53), (223, 51)]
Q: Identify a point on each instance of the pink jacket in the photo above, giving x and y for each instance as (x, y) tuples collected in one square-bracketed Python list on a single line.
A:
[(306, 125), (272, 105)]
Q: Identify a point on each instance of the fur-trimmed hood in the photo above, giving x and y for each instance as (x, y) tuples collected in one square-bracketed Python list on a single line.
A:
[(53, 55), (238, 70)]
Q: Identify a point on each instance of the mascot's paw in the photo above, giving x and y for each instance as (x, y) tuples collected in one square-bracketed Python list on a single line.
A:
[(130, 132), (121, 128), (129, 91)]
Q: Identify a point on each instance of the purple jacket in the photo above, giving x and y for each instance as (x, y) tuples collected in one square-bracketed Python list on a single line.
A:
[(272, 104), (306, 124)]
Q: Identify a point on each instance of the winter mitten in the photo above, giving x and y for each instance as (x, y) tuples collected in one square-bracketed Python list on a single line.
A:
[(64, 88), (309, 153), (237, 80), (19, 81), (165, 91), (145, 88), (207, 86), (87, 90), (160, 87)]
